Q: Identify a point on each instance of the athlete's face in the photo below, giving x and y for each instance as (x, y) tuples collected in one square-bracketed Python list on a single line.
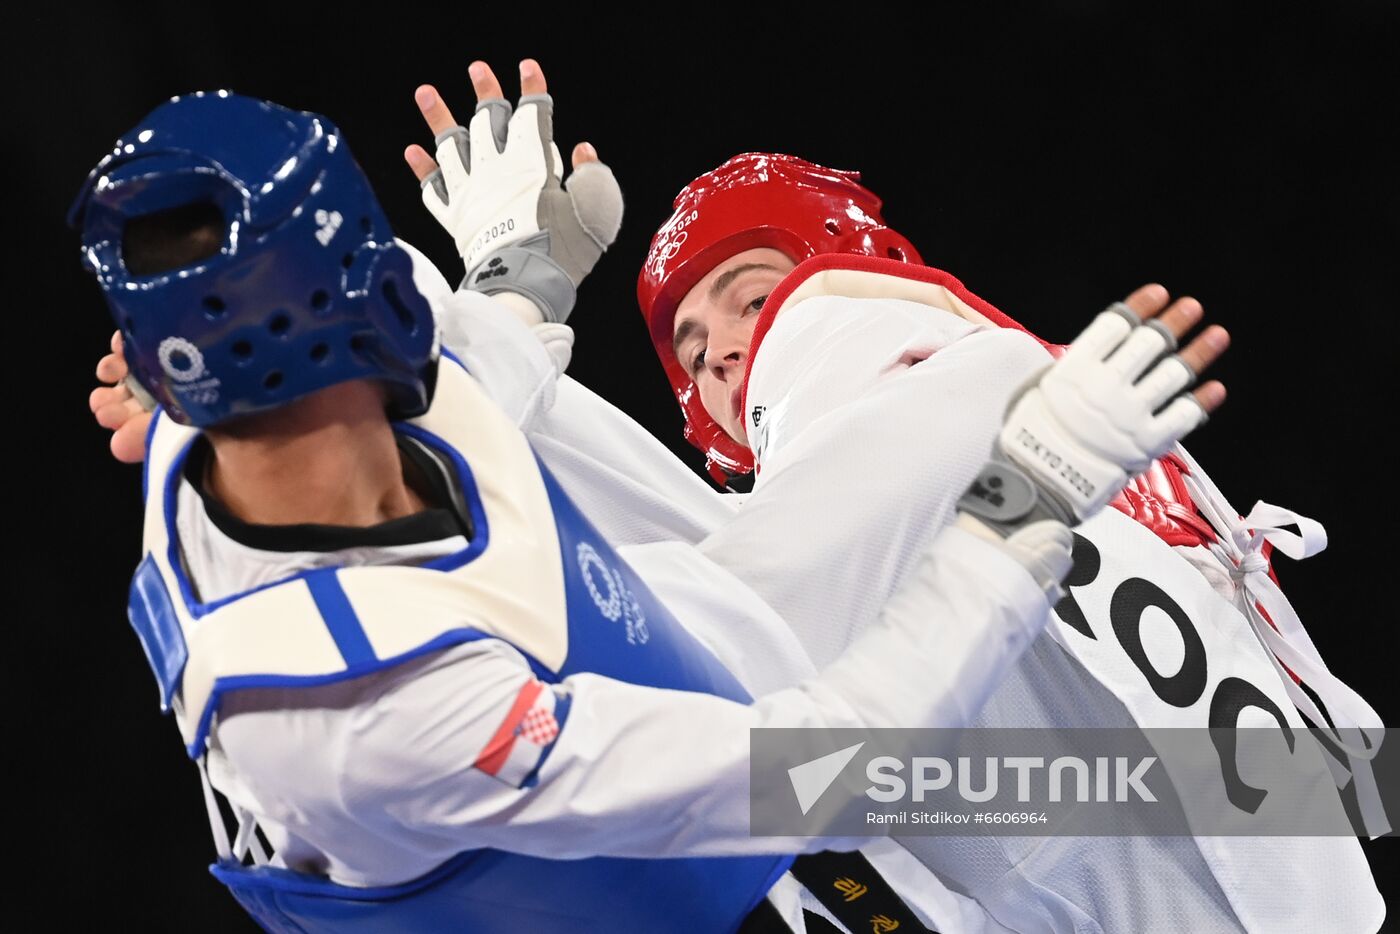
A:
[(714, 325)]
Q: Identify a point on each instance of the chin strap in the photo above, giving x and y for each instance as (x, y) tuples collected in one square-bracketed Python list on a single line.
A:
[(139, 393)]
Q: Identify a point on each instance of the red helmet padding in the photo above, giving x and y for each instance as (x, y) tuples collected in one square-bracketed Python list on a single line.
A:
[(754, 200), (799, 208)]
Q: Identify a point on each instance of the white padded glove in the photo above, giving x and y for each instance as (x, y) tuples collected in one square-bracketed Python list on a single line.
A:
[(497, 190), (1094, 419), (1085, 424)]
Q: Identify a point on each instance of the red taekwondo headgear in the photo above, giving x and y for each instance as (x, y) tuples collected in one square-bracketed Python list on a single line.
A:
[(756, 199)]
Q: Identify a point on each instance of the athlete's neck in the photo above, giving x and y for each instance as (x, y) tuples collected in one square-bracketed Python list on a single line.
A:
[(329, 458)]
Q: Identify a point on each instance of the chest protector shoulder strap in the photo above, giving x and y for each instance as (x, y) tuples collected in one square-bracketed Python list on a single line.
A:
[(537, 575)]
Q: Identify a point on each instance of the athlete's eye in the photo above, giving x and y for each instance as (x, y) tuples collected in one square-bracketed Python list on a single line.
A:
[(756, 304), (698, 363)]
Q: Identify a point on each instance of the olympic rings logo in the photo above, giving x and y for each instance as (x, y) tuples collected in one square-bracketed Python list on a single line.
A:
[(181, 360), (618, 603)]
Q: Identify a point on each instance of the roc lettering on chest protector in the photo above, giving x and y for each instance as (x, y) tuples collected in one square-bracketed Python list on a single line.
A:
[(536, 575), (1142, 638)]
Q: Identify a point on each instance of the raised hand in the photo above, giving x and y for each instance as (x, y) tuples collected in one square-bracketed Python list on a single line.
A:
[(1099, 414), (1114, 401), (496, 187)]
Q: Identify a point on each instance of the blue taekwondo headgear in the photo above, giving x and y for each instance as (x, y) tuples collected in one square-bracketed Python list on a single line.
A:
[(307, 290)]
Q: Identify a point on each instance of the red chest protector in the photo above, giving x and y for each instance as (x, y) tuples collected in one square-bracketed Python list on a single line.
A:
[(1173, 499), (1158, 499)]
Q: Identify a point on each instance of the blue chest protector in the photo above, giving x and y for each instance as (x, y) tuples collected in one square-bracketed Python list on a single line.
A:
[(615, 627)]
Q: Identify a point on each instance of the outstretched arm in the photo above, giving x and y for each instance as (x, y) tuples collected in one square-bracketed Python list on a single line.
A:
[(872, 457), (436, 756)]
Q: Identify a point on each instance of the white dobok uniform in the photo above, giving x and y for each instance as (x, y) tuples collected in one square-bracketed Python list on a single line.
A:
[(880, 398), (782, 581), (378, 780)]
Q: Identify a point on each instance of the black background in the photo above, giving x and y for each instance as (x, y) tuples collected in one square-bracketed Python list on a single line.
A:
[(1053, 156)]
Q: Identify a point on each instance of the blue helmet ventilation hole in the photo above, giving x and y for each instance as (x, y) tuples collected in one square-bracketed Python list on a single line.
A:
[(304, 288)]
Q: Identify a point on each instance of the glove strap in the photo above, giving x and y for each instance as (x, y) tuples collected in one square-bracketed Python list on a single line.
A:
[(526, 268), (1005, 499)]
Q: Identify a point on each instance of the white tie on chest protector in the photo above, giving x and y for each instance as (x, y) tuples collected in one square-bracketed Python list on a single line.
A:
[(1269, 883), (1239, 546), (1118, 625)]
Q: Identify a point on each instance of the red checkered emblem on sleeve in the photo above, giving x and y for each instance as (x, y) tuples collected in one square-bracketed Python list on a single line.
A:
[(523, 737), (539, 727)]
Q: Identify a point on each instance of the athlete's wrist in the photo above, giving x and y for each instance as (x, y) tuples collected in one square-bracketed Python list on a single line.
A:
[(526, 269), (1005, 498), (1044, 548)]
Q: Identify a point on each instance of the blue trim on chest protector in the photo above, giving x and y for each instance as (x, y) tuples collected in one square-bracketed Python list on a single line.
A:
[(493, 891), (617, 628)]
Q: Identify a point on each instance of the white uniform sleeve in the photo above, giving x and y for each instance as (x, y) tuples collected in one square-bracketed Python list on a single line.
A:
[(627, 482), (878, 415), (382, 776)]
